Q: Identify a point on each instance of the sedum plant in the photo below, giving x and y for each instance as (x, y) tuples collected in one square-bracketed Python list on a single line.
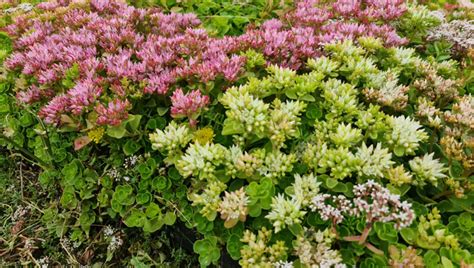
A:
[(318, 138)]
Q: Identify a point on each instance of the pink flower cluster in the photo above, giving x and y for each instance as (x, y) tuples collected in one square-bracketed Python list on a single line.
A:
[(111, 41), (379, 205), (371, 200), (188, 105), (331, 211), (313, 23)]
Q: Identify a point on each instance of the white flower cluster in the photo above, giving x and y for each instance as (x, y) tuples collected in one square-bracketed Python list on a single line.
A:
[(209, 199), (114, 173), (334, 212), (283, 264), (374, 161), (233, 207), (201, 160), (25, 7), (171, 140), (132, 161), (44, 262), (379, 205), (426, 169), (458, 32), (305, 188), (404, 135), (246, 110), (370, 199), (276, 164), (284, 212), (285, 118), (20, 213), (313, 249), (115, 241)]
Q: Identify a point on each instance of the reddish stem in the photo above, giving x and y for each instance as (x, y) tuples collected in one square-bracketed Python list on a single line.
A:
[(374, 249), (365, 233), (353, 238)]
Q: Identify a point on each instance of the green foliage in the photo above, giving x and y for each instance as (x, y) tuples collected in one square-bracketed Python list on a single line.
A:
[(223, 17), (208, 251), (123, 200)]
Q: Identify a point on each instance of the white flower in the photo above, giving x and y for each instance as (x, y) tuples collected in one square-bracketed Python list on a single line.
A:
[(330, 212), (374, 161), (427, 169), (44, 262), (234, 207), (405, 135), (247, 111), (314, 249), (172, 139), (305, 188), (345, 135), (201, 160), (285, 212), (283, 264), (108, 231), (115, 243), (276, 164), (379, 205)]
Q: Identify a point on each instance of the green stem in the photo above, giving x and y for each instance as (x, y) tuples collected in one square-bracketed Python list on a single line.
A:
[(424, 198), (27, 153), (442, 194), (45, 141)]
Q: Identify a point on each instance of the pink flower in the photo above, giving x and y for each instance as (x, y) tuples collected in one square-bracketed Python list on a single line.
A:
[(232, 67), (106, 40), (379, 205), (160, 83), (100, 5), (31, 95), (16, 60), (371, 200), (51, 5), (188, 105), (347, 7), (47, 76), (272, 25), (114, 113), (82, 95), (51, 113)]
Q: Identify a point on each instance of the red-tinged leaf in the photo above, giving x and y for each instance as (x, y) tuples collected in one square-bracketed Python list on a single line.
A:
[(80, 142)]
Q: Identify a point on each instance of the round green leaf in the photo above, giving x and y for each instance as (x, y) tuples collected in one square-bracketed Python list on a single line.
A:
[(136, 218)]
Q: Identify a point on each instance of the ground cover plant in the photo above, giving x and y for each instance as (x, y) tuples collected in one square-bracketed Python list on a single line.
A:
[(259, 134)]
